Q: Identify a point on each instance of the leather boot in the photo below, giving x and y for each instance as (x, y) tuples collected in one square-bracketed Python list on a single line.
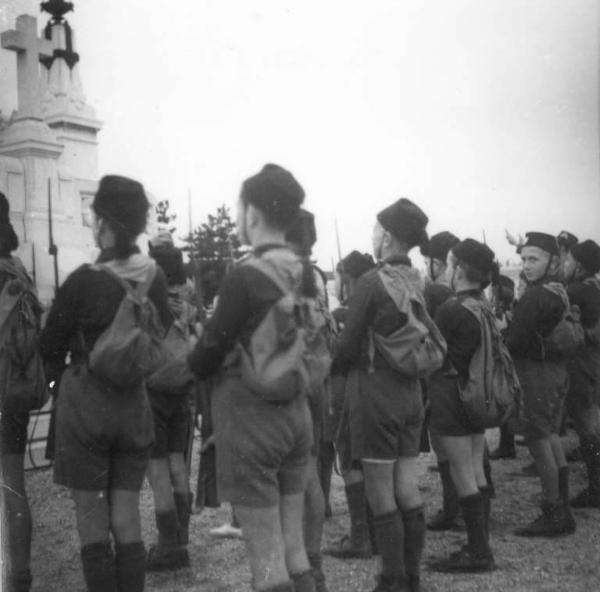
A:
[(414, 541), (99, 567), (551, 523), (590, 496), (447, 517), (563, 491), (168, 553), (476, 556), (357, 545)]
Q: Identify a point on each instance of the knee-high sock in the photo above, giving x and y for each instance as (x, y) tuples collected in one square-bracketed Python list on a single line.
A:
[(130, 561), (389, 533), (99, 567), (414, 540)]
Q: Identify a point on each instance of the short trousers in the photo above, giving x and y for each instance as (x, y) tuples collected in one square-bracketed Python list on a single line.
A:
[(13, 432), (544, 387), (385, 415), (172, 423), (262, 449), (103, 435), (448, 415)]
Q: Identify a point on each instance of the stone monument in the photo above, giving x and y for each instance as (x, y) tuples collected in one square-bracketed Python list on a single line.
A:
[(48, 152)]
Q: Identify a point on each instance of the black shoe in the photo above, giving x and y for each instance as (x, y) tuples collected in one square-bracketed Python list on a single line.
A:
[(501, 453), (167, 559), (441, 521), (391, 584), (346, 548), (530, 470), (552, 522), (463, 562), (414, 583), (586, 499), (575, 455)]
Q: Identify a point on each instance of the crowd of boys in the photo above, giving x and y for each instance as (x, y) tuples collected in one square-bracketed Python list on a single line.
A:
[(275, 425)]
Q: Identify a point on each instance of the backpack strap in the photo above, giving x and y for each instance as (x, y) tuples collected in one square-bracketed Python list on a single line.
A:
[(558, 289), (269, 271), (140, 291)]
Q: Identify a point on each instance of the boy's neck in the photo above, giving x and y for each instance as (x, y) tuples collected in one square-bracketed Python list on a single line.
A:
[(268, 236), (463, 286)]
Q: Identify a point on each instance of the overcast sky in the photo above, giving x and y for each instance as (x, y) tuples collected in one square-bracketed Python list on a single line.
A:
[(484, 113)]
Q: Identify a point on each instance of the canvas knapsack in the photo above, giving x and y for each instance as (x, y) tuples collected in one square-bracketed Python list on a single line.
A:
[(286, 354), (319, 335), (175, 377), (23, 384), (592, 334), (417, 348), (568, 337), (491, 392), (131, 347)]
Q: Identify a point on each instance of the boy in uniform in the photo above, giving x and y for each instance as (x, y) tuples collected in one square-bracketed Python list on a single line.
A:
[(386, 408), (262, 446), (302, 236), (543, 377), (359, 543), (437, 291), (580, 267), (167, 470), (470, 268), (14, 509)]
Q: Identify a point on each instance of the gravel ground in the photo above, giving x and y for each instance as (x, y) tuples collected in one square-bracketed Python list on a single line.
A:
[(524, 565)]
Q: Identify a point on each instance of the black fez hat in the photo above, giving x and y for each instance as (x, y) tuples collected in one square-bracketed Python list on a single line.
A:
[(8, 239), (122, 202), (587, 254), (355, 264), (475, 254), (566, 240), (406, 221), (543, 241), (303, 231), (273, 188), (170, 260), (439, 244)]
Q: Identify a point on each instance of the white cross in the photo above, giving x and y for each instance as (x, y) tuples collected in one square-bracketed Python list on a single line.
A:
[(29, 48)]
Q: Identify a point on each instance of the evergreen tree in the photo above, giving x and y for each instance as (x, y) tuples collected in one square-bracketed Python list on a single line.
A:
[(213, 246)]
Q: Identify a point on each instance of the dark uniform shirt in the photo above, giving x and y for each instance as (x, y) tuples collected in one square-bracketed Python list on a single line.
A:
[(245, 297), (587, 298), (587, 363), (535, 315), (371, 307), (435, 295), (85, 306), (460, 329)]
